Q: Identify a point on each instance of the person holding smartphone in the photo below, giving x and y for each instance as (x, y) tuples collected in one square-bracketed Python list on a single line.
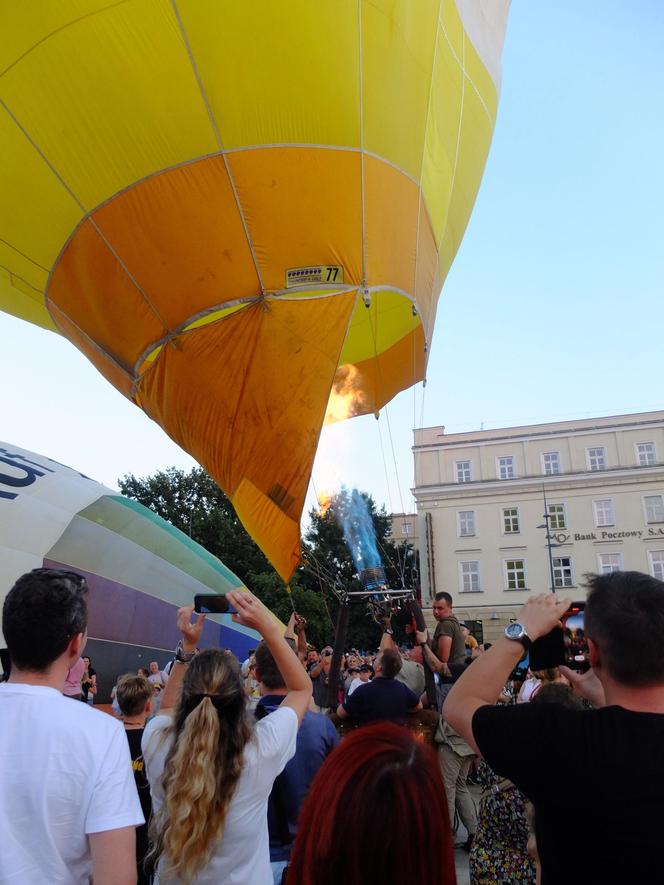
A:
[(210, 768), (547, 750), (319, 671)]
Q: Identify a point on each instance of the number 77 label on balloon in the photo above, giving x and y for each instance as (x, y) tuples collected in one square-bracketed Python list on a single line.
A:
[(315, 273)]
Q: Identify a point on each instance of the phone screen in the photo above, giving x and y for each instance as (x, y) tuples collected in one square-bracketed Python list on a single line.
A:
[(576, 644), (212, 604)]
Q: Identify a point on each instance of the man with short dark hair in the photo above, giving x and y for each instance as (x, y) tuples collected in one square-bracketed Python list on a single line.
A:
[(447, 652), (411, 672), (316, 738), (383, 697), (68, 803), (548, 750)]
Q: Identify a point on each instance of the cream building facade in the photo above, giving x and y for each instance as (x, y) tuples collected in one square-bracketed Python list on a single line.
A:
[(481, 510), (403, 528)]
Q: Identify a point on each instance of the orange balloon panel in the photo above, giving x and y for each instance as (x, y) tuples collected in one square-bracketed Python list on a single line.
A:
[(247, 395)]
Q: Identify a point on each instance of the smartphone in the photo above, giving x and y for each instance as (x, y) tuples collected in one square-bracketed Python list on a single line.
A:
[(548, 651), (212, 604), (563, 645), (576, 644)]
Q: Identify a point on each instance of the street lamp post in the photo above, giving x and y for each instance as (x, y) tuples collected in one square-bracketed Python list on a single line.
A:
[(549, 542)]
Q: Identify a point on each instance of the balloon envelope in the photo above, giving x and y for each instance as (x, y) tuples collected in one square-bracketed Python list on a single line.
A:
[(139, 568), (234, 209)]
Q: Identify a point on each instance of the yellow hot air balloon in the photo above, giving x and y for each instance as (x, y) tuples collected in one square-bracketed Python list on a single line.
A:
[(232, 207)]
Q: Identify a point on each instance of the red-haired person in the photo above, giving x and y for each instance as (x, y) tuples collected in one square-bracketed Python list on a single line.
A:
[(376, 812)]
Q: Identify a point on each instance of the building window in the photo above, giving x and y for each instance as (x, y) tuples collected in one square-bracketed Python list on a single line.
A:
[(596, 458), (551, 463), (645, 454), (466, 523), (603, 510), (469, 577), (610, 562), (506, 467), (407, 528), (515, 573), (463, 471), (562, 571), (654, 507), (557, 516), (657, 564), (510, 520)]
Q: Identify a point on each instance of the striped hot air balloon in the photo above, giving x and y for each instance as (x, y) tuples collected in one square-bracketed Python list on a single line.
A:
[(233, 208), (139, 568)]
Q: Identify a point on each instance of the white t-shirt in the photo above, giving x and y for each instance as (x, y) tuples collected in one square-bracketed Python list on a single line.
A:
[(160, 678), (355, 682), (65, 771), (527, 689), (242, 856)]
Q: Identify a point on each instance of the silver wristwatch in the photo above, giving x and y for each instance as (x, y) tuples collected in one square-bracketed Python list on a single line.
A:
[(517, 633)]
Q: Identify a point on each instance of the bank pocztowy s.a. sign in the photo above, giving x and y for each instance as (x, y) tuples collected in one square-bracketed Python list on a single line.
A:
[(605, 535)]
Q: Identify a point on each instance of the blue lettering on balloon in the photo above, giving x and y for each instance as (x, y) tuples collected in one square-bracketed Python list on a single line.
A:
[(31, 474)]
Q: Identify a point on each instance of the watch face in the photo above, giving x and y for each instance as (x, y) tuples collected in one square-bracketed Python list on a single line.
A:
[(514, 631)]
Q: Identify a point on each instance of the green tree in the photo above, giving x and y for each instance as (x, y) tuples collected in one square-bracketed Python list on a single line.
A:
[(195, 504)]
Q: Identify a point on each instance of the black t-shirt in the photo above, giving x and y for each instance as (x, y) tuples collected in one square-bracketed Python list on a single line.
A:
[(381, 699), (134, 736), (596, 779)]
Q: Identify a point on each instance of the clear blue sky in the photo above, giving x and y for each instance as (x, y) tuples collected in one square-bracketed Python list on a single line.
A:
[(554, 306)]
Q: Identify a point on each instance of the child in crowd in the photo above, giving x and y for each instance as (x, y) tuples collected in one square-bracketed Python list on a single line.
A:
[(134, 697)]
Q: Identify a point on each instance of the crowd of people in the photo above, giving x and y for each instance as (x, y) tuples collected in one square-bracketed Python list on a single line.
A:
[(217, 770)]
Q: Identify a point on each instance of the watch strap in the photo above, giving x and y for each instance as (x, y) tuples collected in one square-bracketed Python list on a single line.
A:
[(182, 656)]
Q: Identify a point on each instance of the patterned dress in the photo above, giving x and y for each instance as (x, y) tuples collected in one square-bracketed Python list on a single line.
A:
[(499, 852)]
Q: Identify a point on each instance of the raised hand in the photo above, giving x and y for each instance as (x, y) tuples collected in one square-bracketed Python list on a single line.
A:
[(250, 612), (191, 633), (542, 613), (586, 684)]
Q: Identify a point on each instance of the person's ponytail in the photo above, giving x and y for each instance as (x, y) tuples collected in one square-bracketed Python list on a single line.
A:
[(203, 767)]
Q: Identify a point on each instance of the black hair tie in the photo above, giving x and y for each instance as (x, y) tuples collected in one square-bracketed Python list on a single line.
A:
[(221, 704)]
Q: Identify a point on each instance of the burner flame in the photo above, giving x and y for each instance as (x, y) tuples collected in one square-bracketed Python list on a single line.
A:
[(325, 500), (346, 397)]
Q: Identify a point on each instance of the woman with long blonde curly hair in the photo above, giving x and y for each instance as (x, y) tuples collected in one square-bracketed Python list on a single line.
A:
[(210, 766)]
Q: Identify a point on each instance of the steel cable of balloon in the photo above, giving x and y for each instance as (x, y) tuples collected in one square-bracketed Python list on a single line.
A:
[(237, 211)]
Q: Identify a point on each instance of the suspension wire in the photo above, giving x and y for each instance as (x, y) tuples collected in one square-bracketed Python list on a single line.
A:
[(394, 458), (401, 568), (424, 390), (414, 384), (389, 492), (313, 565), (389, 431), (387, 476), (387, 417)]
